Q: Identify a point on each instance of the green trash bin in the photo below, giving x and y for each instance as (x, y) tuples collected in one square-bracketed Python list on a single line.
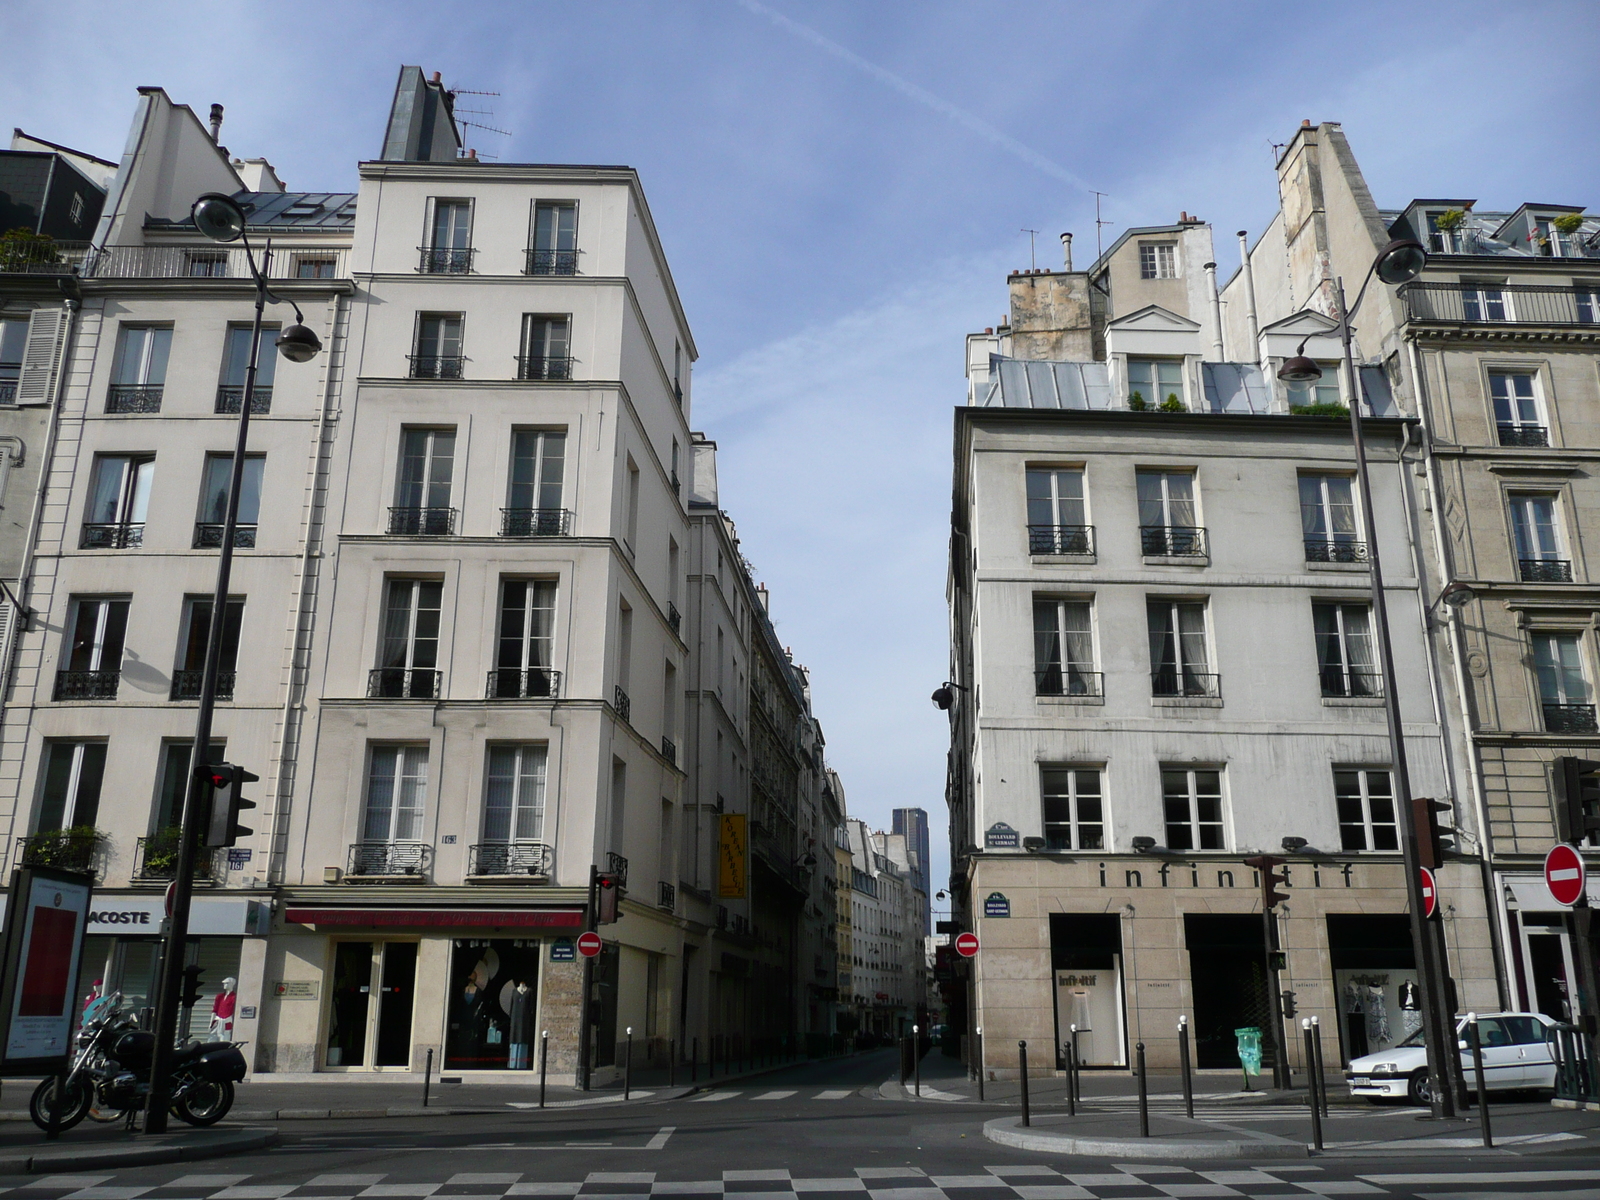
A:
[(1249, 1043)]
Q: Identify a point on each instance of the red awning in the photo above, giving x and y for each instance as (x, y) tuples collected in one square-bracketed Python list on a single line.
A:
[(450, 918)]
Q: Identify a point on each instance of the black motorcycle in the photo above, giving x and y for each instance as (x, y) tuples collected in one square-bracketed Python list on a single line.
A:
[(109, 1078)]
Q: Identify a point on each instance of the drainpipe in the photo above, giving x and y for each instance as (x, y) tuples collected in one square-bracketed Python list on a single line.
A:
[(1249, 294), (1216, 314)]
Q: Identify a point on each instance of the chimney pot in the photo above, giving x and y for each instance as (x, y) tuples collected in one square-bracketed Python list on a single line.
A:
[(216, 121), (989, 329), (437, 77), (1066, 249), (1305, 124)]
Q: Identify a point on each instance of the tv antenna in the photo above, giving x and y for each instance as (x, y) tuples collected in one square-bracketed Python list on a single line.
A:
[(461, 115), (1032, 261), (1099, 249)]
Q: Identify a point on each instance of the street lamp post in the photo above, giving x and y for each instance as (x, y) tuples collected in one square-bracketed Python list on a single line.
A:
[(221, 219), (1398, 262)]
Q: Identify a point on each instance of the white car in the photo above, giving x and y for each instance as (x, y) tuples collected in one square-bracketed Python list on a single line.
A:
[(1516, 1054)]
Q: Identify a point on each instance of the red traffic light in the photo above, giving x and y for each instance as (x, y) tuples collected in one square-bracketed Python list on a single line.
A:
[(1271, 897)]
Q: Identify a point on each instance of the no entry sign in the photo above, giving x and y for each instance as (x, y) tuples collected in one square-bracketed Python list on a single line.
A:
[(589, 944), (1564, 874), (967, 945), (1430, 892)]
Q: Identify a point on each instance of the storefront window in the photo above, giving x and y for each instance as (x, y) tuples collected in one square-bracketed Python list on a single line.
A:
[(493, 1005)]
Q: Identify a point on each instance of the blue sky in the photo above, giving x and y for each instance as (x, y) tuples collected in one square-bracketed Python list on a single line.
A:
[(840, 188)]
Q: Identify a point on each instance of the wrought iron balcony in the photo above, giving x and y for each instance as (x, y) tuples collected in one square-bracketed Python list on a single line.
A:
[(403, 683), (64, 849), (1500, 304), (623, 705), (376, 860), (1335, 550), (111, 535), (155, 859), (422, 522), (436, 366), (87, 685), (134, 398), (544, 366), (1060, 539), (230, 399), (1544, 570), (208, 536), (1343, 682), (666, 896), (31, 255), (551, 262), (617, 865), (535, 522), (511, 858), (1186, 683), (1522, 435), (186, 684), (1173, 541), (439, 260), (1068, 681), (524, 683), (674, 617), (669, 750), (1570, 718)]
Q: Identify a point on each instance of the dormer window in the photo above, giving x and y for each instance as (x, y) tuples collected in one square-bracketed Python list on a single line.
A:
[(1156, 383), (1444, 230), (1158, 260), (1547, 240)]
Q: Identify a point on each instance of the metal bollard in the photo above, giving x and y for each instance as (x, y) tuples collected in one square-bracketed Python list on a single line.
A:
[(916, 1057), (980, 1062), (1477, 1071), (1072, 1098), (1022, 1054), (1077, 1074), (1144, 1093), (544, 1061), (627, 1066), (672, 1063), (694, 1060), (427, 1076), (1313, 1082), (1183, 1065), (1322, 1075)]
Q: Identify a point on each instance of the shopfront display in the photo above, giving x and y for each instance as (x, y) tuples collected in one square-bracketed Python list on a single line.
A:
[(1374, 981), (493, 1005), (1086, 954)]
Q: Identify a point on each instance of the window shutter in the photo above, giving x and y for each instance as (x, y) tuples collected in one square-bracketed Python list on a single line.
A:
[(8, 614), (41, 357)]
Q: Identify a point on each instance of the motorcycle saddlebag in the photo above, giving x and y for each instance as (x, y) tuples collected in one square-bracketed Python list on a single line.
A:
[(133, 1049), (220, 1061)]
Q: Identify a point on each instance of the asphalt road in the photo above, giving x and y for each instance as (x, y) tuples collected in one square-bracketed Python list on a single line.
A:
[(811, 1132)]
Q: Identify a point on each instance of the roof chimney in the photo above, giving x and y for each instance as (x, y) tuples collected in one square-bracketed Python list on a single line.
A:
[(437, 77), (216, 122), (1305, 124), (1066, 249)]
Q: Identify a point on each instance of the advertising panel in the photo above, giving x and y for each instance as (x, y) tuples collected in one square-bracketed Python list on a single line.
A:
[(733, 860), (42, 949)]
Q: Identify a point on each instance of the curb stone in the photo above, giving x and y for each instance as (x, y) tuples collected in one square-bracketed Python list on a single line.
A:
[(1008, 1131), (67, 1158)]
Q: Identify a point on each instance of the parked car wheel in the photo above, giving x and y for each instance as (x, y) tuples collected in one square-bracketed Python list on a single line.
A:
[(1419, 1089)]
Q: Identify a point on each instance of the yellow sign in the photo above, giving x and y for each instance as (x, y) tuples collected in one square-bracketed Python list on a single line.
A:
[(733, 859)]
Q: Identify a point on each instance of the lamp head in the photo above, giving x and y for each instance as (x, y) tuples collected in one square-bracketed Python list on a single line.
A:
[(1457, 594), (1299, 368), (1401, 261), (1293, 845), (943, 697), (299, 344), (1143, 845), (219, 217)]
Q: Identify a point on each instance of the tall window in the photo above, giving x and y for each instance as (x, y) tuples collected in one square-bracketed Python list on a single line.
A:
[(70, 797), (1517, 416), (1366, 810), (1441, 241), (175, 757), (513, 802), (236, 365), (538, 474), (1063, 649), (192, 657), (1179, 665), (422, 489), (527, 639), (1057, 515), (119, 497), (1328, 519), (208, 264), (1533, 525), (1484, 302), (1158, 260), (449, 249), (215, 481), (546, 347), (1073, 817), (1167, 518), (555, 238), (94, 650), (1344, 650), (409, 656), (1153, 382), (1585, 293), (13, 337), (397, 793), (140, 369), (1564, 689), (438, 354), (1192, 800)]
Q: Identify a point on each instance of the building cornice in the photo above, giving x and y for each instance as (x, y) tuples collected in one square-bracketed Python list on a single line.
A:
[(213, 288), (1498, 334)]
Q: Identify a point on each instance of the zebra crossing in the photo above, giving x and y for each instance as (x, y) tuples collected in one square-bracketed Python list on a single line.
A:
[(778, 1094)]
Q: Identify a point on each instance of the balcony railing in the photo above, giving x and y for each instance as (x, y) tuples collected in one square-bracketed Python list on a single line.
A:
[(208, 536), (617, 866), (64, 849), (40, 256), (436, 366), (180, 262), (524, 683), (375, 860), (230, 399), (1173, 541), (1335, 550), (8, 391), (666, 896), (438, 260), (403, 683), (674, 617), (111, 535), (535, 522), (1068, 681), (1500, 304), (551, 262), (544, 366), (422, 522), (186, 684), (155, 859), (1522, 435), (511, 858), (1061, 539), (1186, 683), (623, 705), (87, 685), (1340, 682), (669, 750), (1544, 570), (1570, 718), (134, 397)]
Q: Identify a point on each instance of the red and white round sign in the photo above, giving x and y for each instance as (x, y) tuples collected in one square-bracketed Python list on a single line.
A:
[(589, 944), (1564, 874), (1430, 892), (967, 945)]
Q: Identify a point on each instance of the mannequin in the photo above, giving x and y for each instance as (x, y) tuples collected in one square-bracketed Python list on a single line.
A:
[(521, 1002), (222, 1010)]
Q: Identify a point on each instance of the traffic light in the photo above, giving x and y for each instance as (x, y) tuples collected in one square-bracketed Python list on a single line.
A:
[(1577, 787), (1266, 866), (1288, 1005), (227, 782), (1434, 840), (190, 996), (608, 897)]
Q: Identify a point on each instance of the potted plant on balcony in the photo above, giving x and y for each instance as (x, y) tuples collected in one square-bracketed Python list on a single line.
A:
[(1136, 402), (71, 849), (1568, 224), (1172, 403), (22, 250), (1450, 220)]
